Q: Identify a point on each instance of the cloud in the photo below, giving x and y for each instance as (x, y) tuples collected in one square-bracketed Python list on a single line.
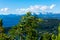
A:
[(36, 8), (4, 9), (33, 8), (21, 10), (43, 8), (52, 6)]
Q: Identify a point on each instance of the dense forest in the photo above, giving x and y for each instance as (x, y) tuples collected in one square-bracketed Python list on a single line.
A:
[(32, 28)]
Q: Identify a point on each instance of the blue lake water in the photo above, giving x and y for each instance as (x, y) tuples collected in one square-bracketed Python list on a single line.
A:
[(10, 20)]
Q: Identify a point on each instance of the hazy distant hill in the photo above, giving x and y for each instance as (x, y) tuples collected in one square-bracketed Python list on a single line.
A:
[(49, 15)]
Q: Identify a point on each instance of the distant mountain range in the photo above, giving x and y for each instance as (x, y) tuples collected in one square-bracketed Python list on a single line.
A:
[(12, 19), (49, 15)]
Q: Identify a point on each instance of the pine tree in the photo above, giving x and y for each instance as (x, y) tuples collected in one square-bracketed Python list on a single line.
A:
[(58, 37), (30, 23), (26, 29), (3, 36)]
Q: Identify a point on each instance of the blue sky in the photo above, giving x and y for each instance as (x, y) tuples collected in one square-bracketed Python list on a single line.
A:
[(23, 6)]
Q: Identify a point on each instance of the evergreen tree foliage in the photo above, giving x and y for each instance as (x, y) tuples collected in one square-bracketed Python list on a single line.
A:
[(58, 36), (3, 36), (26, 29)]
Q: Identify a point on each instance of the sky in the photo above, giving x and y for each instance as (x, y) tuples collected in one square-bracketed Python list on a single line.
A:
[(22, 6)]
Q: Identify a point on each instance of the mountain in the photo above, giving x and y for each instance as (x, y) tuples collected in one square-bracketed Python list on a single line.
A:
[(11, 19), (49, 15)]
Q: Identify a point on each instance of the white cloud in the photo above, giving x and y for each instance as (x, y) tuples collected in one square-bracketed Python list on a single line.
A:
[(35, 8), (22, 10), (4, 9), (43, 8), (52, 6)]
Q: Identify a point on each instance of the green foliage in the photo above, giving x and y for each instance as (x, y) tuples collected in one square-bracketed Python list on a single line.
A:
[(3, 36), (30, 23), (53, 37), (0, 22), (58, 36), (46, 36)]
